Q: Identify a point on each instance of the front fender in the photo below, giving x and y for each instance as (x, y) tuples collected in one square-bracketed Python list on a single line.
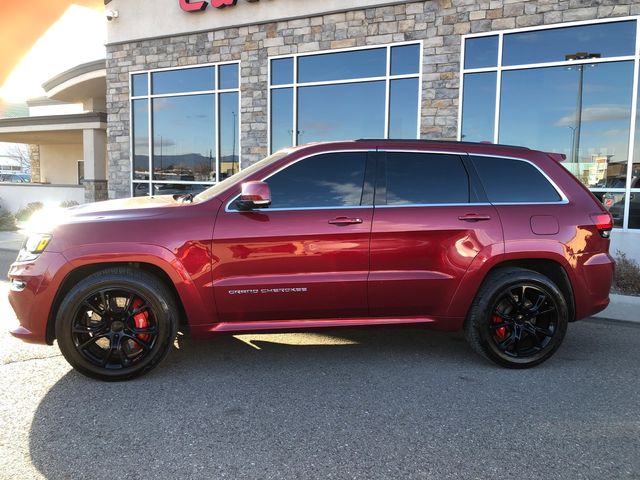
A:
[(193, 287)]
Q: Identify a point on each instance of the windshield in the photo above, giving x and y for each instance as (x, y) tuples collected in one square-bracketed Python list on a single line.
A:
[(238, 177)]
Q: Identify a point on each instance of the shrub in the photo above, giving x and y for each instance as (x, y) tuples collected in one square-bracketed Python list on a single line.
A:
[(7, 221), (627, 277), (25, 213), (69, 203)]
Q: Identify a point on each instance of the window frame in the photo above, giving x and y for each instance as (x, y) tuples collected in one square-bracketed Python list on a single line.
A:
[(500, 68), (564, 200), (150, 96), (229, 208), (476, 188), (387, 78), (462, 158)]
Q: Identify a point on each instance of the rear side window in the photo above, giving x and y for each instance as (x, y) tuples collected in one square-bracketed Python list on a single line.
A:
[(326, 180), (425, 179), (507, 180)]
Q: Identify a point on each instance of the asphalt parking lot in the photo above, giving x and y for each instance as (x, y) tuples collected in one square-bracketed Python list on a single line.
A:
[(379, 403)]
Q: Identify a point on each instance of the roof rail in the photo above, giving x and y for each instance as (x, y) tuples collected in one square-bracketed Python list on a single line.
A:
[(445, 142)]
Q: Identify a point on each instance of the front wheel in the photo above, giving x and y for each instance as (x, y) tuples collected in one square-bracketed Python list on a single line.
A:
[(518, 319), (116, 324)]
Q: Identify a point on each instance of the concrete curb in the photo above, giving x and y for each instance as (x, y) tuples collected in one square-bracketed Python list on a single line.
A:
[(623, 308), (11, 241)]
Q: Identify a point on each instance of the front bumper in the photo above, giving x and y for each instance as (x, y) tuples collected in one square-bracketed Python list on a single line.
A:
[(33, 290)]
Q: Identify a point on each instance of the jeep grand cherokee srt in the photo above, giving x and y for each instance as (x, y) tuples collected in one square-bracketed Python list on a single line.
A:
[(500, 241)]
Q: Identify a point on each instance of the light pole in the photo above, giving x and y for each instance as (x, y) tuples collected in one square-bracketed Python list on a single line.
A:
[(233, 148), (573, 57), (573, 140)]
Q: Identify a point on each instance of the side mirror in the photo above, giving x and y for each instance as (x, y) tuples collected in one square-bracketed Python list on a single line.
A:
[(254, 195)]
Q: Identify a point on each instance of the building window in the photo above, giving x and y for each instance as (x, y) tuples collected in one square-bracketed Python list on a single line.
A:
[(80, 172), (345, 94), (185, 128), (566, 89)]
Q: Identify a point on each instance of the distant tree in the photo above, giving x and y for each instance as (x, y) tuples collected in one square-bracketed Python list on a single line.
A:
[(20, 153)]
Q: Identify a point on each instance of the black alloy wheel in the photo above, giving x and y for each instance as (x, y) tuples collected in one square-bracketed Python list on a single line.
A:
[(524, 320), (114, 328), (518, 318), (117, 324)]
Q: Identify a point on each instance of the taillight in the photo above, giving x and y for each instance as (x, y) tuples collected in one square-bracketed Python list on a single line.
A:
[(603, 222)]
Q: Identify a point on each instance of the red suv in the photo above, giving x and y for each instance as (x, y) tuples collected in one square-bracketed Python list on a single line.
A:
[(500, 241)]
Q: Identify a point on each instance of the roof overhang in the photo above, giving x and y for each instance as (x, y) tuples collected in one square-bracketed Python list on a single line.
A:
[(79, 83), (51, 129)]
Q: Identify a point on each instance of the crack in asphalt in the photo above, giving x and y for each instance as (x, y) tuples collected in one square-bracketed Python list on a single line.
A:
[(29, 359)]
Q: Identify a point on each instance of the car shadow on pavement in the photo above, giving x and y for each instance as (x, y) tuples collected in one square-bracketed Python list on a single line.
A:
[(221, 404), (338, 403)]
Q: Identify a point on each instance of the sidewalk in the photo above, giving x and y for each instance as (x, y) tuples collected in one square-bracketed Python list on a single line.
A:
[(622, 308), (11, 241)]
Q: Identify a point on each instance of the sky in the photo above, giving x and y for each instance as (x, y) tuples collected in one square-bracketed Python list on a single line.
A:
[(39, 39)]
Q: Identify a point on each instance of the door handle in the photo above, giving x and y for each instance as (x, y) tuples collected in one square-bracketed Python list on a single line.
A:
[(344, 221), (474, 217)]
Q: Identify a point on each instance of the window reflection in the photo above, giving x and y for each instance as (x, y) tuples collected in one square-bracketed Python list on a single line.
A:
[(422, 179), (185, 80), (607, 39), (479, 100), (229, 135), (634, 209), (330, 105), (403, 108), (405, 59), (140, 189), (228, 76), (140, 134), (343, 65), (540, 108), (328, 180), (614, 202), (184, 138), (139, 85), (341, 112), (282, 71), (481, 52), (281, 118)]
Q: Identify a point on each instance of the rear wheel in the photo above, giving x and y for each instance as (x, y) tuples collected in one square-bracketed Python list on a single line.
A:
[(518, 319), (116, 324)]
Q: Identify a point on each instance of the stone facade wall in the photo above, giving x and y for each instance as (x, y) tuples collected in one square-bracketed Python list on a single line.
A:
[(95, 190), (34, 160), (438, 23)]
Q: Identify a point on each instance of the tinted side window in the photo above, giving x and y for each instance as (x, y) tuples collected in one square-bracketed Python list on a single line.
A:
[(507, 180), (327, 180), (424, 178)]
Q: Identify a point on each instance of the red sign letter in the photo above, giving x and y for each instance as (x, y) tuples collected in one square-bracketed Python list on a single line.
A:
[(222, 3), (187, 6)]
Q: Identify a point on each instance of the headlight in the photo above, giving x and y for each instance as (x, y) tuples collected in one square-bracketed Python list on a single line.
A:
[(33, 246)]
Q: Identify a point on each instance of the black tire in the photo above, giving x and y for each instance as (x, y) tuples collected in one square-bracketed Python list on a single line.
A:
[(518, 318), (117, 324)]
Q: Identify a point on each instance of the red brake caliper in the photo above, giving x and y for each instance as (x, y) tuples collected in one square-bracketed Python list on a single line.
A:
[(501, 332), (141, 319)]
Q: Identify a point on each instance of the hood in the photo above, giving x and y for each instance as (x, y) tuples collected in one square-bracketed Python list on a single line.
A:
[(48, 219)]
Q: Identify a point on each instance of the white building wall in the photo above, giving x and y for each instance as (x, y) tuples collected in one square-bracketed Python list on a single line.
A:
[(59, 163), (14, 196)]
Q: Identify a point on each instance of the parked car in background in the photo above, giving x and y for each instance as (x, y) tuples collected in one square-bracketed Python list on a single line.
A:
[(499, 241), (614, 202), (15, 177)]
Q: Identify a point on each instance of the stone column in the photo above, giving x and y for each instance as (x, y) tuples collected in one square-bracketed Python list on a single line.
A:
[(95, 167), (34, 159)]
